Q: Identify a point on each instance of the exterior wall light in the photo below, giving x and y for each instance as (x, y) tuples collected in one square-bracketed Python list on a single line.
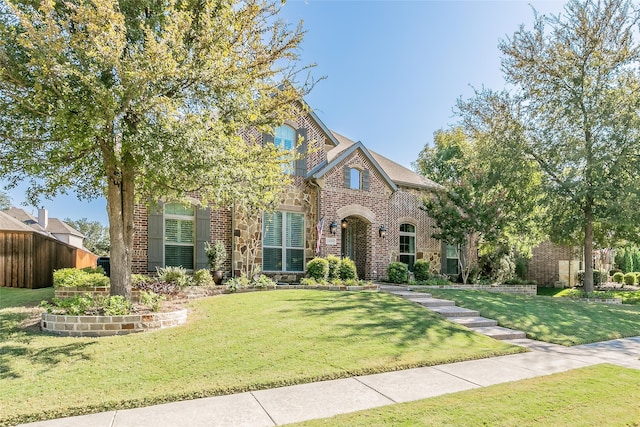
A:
[(333, 227), (382, 231), (343, 223)]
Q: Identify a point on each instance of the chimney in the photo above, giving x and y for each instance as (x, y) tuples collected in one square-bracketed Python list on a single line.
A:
[(43, 218)]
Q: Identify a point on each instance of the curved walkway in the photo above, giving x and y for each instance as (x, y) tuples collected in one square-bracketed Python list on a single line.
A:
[(324, 399)]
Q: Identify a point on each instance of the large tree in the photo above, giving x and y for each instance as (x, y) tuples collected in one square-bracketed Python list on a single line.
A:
[(573, 107), (96, 235), (138, 100)]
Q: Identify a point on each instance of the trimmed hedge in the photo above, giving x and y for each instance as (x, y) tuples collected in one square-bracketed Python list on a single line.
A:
[(422, 269), (318, 269), (398, 272)]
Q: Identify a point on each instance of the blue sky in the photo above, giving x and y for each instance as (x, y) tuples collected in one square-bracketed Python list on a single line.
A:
[(394, 70)]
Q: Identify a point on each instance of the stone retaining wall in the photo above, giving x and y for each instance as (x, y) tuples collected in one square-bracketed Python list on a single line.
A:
[(531, 290), (93, 291), (100, 326)]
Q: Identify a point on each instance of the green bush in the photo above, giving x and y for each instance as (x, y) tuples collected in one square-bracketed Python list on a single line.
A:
[(599, 277), (97, 269), (422, 269), (263, 281), (176, 275), (351, 282), (73, 277), (629, 279), (334, 266), (139, 279), (618, 277), (347, 269), (398, 272), (637, 277), (202, 277), (117, 305), (522, 267), (308, 281), (152, 300), (318, 269)]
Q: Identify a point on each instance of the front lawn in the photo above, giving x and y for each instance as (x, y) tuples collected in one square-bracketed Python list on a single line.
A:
[(230, 344), (593, 396), (556, 320)]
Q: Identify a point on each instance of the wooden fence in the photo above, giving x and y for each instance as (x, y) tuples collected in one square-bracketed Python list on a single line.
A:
[(28, 259)]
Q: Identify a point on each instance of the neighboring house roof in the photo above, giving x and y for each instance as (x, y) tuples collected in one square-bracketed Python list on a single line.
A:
[(24, 217), (393, 171), (9, 223), (56, 226)]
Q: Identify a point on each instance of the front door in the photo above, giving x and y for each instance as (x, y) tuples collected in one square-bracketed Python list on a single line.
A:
[(348, 242)]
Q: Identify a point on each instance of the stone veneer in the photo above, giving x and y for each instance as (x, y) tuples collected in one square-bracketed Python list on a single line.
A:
[(530, 290), (72, 292), (101, 326)]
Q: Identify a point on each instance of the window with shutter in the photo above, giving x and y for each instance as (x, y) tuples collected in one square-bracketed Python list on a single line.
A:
[(285, 139), (283, 242), (179, 235)]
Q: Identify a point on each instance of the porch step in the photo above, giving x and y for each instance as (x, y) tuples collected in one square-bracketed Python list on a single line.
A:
[(427, 301), (500, 333), (453, 311), (474, 322)]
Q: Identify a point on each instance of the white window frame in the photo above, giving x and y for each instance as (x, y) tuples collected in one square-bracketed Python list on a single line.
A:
[(284, 246), (408, 234), (289, 167), (167, 216)]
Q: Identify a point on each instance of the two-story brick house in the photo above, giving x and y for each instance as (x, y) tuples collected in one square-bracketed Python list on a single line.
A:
[(344, 200)]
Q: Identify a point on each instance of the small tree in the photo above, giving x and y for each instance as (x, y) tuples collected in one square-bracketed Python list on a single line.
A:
[(216, 254)]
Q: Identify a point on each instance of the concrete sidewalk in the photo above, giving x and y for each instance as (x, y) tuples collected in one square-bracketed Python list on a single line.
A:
[(324, 399)]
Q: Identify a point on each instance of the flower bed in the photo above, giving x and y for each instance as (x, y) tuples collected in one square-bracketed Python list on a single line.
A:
[(100, 326)]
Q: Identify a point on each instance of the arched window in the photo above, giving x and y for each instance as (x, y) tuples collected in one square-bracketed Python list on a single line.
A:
[(285, 139), (408, 244)]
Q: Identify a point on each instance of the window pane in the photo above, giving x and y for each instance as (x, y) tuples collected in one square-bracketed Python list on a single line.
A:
[(179, 209), (272, 229), (176, 256), (186, 232), (452, 266), (295, 230), (409, 260), (452, 252), (285, 137), (272, 259), (407, 228), (295, 260), (355, 179), (171, 230), (178, 231)]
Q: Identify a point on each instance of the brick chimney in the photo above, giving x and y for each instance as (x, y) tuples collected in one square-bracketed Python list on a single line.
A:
[(43, 218)]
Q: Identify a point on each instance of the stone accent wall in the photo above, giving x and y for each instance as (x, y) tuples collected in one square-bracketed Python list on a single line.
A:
[(544, 263), (101, 326)]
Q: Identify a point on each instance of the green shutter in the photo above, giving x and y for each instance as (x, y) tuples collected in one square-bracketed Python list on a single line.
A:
[(365, 180), (203, 234), (347, 177), (301, 164), (155, 244)]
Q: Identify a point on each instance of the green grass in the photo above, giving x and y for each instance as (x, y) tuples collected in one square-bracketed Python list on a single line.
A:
[(628, 297), (556, 320), (593, 396), (230, 344)]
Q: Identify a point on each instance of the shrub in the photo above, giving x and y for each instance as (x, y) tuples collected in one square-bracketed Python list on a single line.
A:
[(138, 279), (152, 300), (599, 276), (618, 277), (202, 277), (175, 275), (263, 281), (117, 305), (158, 287), (629, 279), (522, 267), (398, 272), (308, 281), (334, 266), (421, 269), (238, 283), (97, 269), (637, 277), (351, 282), (347, 269), (72, 277), (216, 254), (318, 269)]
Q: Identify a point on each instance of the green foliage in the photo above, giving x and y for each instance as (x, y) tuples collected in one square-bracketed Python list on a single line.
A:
[(627, 261), (522, 266), (5, 201), (202, 277), (243, 281), (152, 300), (599, 277), (146, 101), (96, 235), (398, 272), (263, 281), (334, 266), (73, 277), (216, 254), (617, 277), (318, 269), (175, 275), (308, 281), (139, 279), (117, 305), (422, 269), (97, 269), (498, 265), (629, 279), (347, 269), (619, 258)]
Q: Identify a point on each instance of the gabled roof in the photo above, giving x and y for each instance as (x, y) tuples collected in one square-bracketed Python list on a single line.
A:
[(26, 218), (393, 172), (339, 156), (9, 223), (56, 226)]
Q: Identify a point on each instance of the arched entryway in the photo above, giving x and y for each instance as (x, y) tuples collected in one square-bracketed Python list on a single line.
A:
[(355, 240)]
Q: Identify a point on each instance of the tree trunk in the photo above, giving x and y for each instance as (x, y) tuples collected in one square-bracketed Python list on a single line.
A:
[(588, 249), (120, 205)]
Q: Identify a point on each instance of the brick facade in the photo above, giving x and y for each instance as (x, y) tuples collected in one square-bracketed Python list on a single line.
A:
[(546, 260)]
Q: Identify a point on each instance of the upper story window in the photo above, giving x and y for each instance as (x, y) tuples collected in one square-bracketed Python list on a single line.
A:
[(356, 179), (179, 235), (285, 139)]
